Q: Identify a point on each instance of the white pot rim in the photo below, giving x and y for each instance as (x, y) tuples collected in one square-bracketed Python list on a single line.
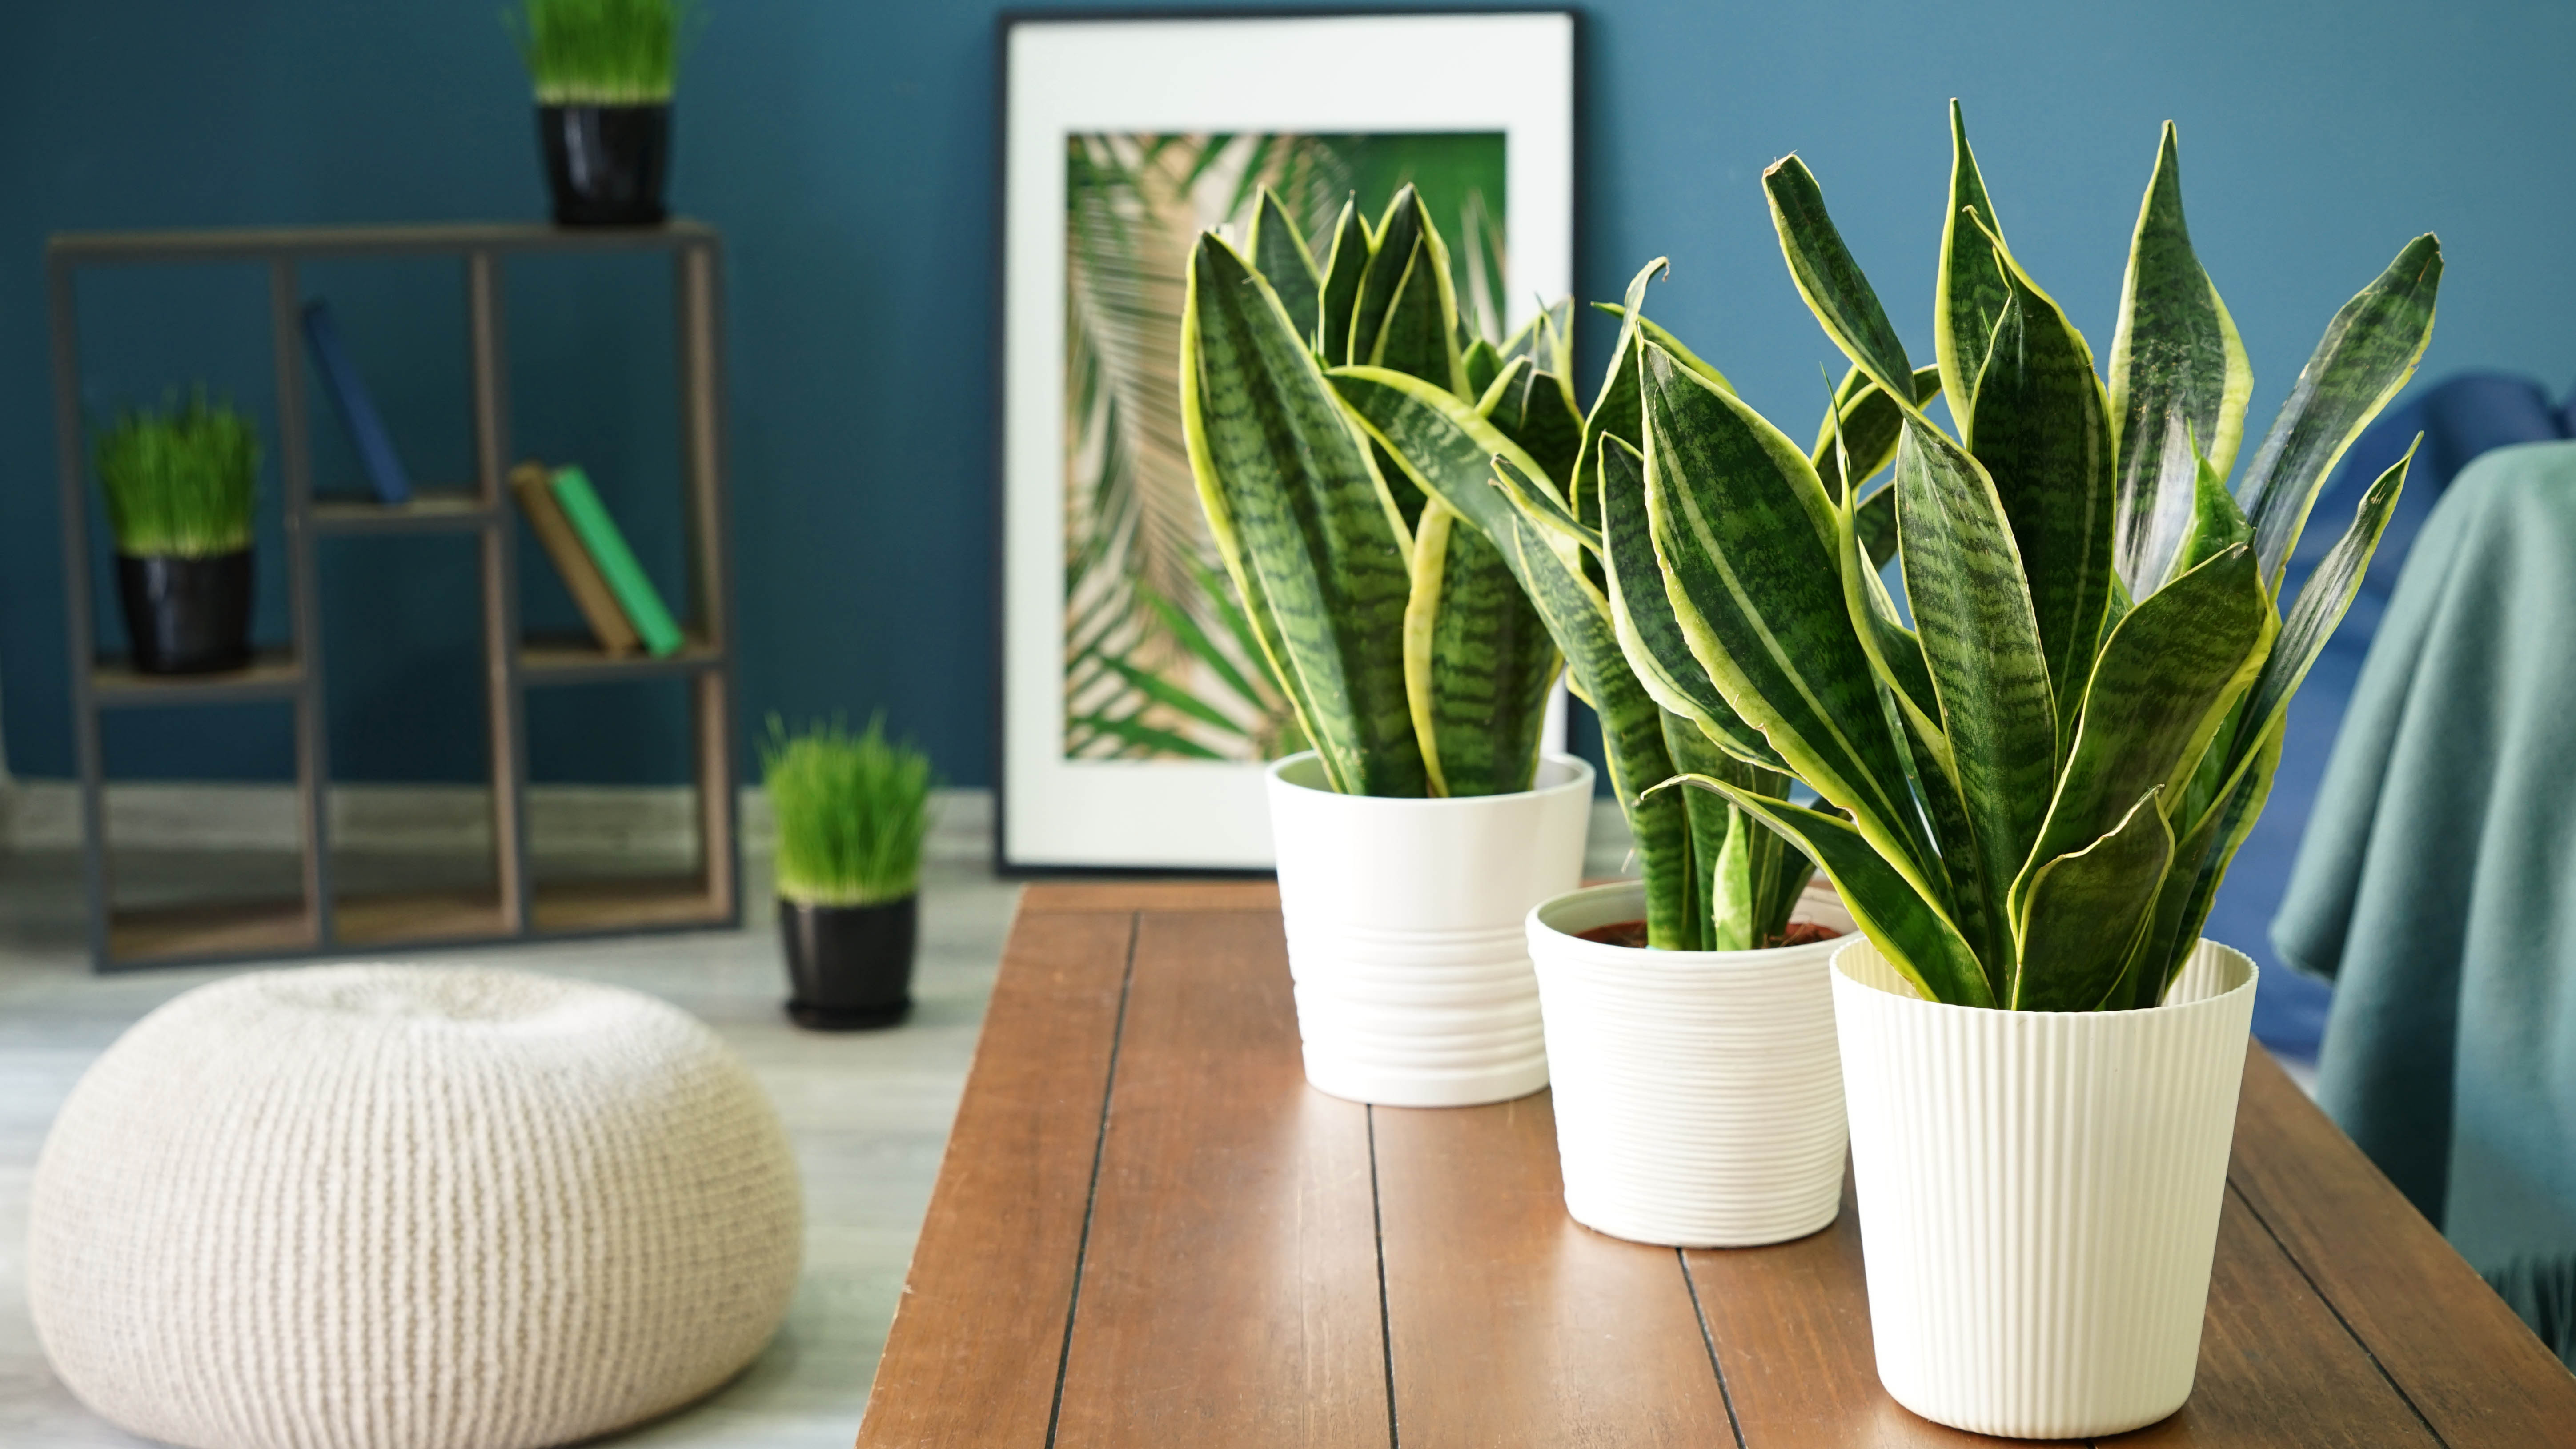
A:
[(1601, 953), (1578, 778), (1909, 1001)]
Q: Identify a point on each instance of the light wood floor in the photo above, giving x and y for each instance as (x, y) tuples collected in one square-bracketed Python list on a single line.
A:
[(869, 1113)]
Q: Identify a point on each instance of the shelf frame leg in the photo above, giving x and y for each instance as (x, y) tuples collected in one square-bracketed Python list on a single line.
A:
[(88, 749), (490, 367), (303, 590), (698, 286)]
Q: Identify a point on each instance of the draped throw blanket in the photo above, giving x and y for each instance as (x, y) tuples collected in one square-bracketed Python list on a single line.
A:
[(2437, 883)]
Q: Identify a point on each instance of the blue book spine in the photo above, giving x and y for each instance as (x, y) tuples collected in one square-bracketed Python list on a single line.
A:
[(349, 397)]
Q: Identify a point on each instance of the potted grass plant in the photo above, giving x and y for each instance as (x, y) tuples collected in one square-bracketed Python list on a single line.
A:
[(180, 483), (603, 71), (1424, 823), (2036, 776), (1688, 1015), (852, 810)]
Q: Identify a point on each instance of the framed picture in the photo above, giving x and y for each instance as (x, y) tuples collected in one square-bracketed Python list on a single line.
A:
[(1137, 713)]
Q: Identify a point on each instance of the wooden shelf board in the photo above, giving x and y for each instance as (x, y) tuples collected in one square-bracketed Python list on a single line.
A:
[(571, 661), (428, 239), (419, 917), (430, 509), (582, 907), (272, 674), (214, 929)]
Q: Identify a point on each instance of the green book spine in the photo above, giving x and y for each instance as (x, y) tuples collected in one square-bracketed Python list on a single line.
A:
[(607, 548)]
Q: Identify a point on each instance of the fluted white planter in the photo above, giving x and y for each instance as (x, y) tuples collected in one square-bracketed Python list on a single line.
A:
[(1405, 941), (1698, 1094), (2039, 1194)]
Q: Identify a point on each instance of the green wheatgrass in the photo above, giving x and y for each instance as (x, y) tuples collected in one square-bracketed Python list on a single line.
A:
[(180, 482), (851, 810), (600, 52)]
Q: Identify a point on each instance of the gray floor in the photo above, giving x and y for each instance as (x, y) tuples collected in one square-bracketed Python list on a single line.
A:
[(869, 1114)]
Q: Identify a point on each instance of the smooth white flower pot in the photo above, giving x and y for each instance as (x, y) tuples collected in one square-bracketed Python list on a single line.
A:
[(2039, 1194), (1698, 1094), (1405, 941)]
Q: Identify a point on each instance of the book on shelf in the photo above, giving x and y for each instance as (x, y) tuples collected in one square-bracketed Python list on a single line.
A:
[(533, 486), (355, 405), (607, 548)]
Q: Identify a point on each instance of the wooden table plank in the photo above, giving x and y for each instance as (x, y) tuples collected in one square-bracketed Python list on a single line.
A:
[(1230, 1289), (1513, 1324), (971, 1358), (1791, 1332), (2276, 1366), (1149, 1231), (1124, 896), (2460, 1356)]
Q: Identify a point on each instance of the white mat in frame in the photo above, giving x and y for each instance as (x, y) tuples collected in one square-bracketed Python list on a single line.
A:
[(1359, 74)]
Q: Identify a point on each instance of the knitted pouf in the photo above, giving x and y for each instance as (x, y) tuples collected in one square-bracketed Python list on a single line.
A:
[(394, 1207)]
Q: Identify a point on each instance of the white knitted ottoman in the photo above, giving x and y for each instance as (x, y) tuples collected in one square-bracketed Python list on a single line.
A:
[(397, 1207)]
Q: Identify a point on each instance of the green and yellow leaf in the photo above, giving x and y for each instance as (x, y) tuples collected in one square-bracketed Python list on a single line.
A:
[(1308, 530), (2085, 912), (2179, 382), (2367, 354)]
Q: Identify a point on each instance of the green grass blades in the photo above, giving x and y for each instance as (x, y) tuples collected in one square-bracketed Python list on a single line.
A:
[(180, 482), (1478, 663), (601, 52), (852, 810), (1305, 524)]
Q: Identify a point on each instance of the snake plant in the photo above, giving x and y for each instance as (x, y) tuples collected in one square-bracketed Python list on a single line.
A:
[(2037, 785), (1414, 662), (1432, 418)]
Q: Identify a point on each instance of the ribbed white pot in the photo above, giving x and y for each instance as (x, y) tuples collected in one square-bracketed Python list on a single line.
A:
[(1405, 939), (2039, 1194), (1698, 1094)]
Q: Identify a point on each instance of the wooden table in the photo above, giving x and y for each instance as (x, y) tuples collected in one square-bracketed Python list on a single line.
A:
[(1149, 1231)]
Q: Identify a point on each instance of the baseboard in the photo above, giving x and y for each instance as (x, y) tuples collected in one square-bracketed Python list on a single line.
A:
[(563, 820)]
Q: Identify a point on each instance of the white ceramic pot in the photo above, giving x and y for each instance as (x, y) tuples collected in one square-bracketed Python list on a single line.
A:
[(1698, 1094), (2039, 1194), (1405, 929)]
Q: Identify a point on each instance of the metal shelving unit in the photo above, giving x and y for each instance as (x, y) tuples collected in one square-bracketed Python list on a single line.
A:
[(320, 920)]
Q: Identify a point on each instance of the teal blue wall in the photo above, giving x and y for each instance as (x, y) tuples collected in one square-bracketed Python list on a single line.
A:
[(846, 151)]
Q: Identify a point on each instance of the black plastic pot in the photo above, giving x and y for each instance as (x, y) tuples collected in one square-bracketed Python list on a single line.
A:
[(606, 164), (850, 966), (187, 615)]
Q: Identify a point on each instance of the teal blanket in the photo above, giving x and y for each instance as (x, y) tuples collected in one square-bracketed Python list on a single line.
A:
[(2437, 883)]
